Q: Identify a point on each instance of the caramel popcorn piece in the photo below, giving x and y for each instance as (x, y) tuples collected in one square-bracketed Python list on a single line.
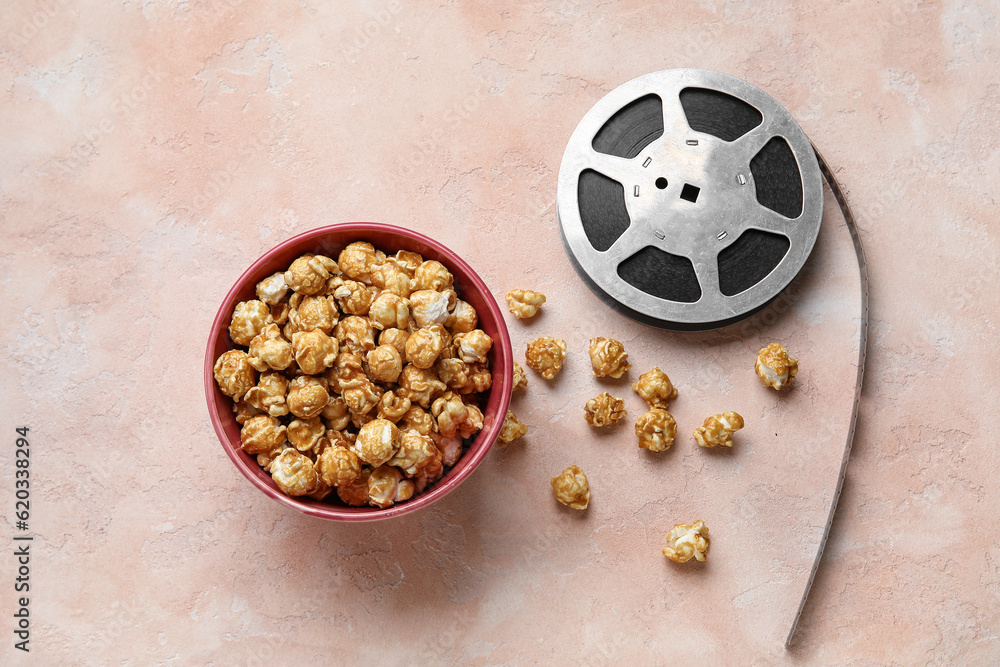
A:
[(419, 420), (419, 385), (386, 486), (473, 347), (389, 311), (307, 396), (608, 358), (249, 319), (432, 275), (262, 434), (463, 318), (520, 378), (272, 290), (384, 364), (571, 488), (391, 277), (244, 411), (355, 333), (524, 303), (355, 494), (337, 414), (395, 337), (686, 541), (654, 387), (450, 412), (512, 429), (453, 372), (314, 312), (294, 473), (432, 471), (605, 410), (408, 261), (305, 434), (354, 298), (774, 367), (546, 355), (358, 260), (392, 407), (314, 351), (308, 274), (480, 379), (424, 345), (269, 350), (718, 430), (429, 307), (234, 374), (339, 466), (656, 430), (377, 442), (415, 453), (269, 394)]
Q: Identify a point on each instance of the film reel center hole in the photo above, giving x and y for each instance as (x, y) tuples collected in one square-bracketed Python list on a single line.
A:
[(689, 192), (661, 183)]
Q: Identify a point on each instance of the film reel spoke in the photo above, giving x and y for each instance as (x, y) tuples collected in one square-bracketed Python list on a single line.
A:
[(616, 168), (746, 147), (763, 218)]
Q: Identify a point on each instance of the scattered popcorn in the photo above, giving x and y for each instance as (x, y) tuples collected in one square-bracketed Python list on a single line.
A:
[(512, 429), (332, 411), (571, 488), (656, 430), (774, 367), (608, 358), (520, 378), (686, 541), (718, 430), (605, 410), (546, 355), (524, 303), (654, 387)]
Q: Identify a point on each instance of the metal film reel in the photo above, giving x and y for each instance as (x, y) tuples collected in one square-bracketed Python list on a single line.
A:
[(688, 199)]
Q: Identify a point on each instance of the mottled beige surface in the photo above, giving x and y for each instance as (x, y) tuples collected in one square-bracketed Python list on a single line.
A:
[(152, 151)]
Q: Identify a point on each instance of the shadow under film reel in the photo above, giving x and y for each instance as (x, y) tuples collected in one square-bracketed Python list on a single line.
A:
[(688, 199)]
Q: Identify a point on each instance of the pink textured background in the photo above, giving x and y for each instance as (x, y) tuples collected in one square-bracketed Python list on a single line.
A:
[(151, 151)]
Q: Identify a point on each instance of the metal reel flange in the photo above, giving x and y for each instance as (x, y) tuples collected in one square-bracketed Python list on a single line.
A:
[(688, 199)]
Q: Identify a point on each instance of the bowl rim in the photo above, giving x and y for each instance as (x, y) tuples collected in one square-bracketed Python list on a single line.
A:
[(503, 352)]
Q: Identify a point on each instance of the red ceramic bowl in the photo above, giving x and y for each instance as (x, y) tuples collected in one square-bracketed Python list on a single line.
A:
[(330, 241)]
